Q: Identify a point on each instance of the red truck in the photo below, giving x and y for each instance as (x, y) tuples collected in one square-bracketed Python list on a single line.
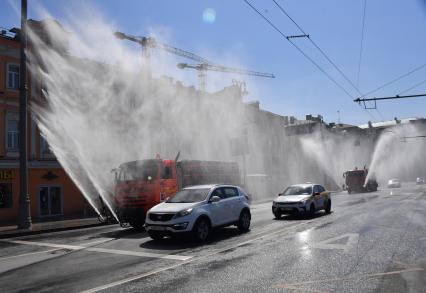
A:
[(355, 181), (142, 184)]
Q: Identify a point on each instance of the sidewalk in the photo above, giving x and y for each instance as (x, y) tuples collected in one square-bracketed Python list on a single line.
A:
[(53, 226)]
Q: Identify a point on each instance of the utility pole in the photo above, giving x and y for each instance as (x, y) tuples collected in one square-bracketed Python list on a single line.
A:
[(24, 217)]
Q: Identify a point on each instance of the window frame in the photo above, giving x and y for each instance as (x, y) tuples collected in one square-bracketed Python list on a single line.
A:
[(8, 79), (11, 116), (231, 188), (45, 154)]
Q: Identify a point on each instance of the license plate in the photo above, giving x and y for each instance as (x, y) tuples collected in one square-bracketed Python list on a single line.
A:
[(158, 228)]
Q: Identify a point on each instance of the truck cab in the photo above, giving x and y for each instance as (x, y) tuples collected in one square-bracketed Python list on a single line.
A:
[(140, 185)]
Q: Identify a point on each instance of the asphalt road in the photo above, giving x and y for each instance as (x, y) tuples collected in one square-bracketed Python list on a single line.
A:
[(371, 242)]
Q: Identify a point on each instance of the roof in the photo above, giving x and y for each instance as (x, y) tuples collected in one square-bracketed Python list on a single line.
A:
[(390, 123), (208, 186), (205, 186), (305, 184)]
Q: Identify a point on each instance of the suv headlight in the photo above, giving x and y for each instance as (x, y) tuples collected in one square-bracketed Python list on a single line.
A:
[(303, 201), (184, 213)]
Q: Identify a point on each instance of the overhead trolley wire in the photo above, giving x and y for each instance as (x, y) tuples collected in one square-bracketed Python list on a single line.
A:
[(305, 55), (410, 88), (299, 49), (361, 47), (324, 55), (394, 80), (318, 48), (362, 43)]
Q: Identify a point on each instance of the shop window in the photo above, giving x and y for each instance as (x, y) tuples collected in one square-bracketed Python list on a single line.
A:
[(6, 195), (12, 139), (12, 76)]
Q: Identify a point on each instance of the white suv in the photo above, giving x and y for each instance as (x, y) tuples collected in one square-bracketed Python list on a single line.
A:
[(197, 209)]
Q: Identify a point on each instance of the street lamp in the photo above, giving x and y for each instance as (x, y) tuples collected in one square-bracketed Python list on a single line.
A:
[(24, 217)]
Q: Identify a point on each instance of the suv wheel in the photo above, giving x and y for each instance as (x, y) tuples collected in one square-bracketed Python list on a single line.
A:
[(244, 221), (328, 207), (311, 210), (277, 215), (155, 236), (201, 230)]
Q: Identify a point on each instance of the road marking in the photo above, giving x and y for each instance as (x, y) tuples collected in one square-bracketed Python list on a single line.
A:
[(370, 275), (31, 253), (302, 289), (141, 276), (137, 253), (45, 244), (104, 250), (103, 240), (351, 242)]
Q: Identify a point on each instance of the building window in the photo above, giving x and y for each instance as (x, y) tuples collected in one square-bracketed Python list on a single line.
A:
[(6, 195), (44, 147), (12, 134), (13, 76)]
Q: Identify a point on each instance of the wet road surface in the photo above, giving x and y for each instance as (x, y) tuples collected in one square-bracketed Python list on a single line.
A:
[(371, 242)]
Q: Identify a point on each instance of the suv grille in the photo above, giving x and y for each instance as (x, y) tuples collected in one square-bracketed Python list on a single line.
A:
[(161, 217), (288, 203)]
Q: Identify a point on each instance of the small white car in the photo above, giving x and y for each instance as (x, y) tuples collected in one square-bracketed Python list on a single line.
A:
[(394, 183), (302, 199), (420, 181), (196, 210)]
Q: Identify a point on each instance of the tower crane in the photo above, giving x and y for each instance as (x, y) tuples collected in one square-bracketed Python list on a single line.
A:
[(150, 42), (203, 66)]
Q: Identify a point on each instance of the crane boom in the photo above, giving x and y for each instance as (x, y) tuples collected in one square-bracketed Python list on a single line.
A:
[(221, 68), (203, 66), (181, 53), (152, 43)]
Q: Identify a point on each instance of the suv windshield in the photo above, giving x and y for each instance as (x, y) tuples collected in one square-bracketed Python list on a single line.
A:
[(138, 170), (190, 195), (298, 190)]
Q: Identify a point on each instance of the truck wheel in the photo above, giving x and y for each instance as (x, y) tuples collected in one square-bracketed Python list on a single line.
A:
[(201, 230), (328, 207), (244, 221), (155, 236), (349, 190), (137, 224)]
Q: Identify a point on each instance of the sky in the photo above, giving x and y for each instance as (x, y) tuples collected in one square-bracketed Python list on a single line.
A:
[(231, 33)]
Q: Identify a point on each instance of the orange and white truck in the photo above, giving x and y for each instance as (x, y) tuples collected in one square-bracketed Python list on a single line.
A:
[(355, 181)]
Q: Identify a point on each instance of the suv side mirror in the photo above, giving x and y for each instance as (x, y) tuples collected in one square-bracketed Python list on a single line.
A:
[(214, 198)]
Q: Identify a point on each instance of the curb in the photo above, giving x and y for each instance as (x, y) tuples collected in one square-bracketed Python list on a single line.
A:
[(25, 232)]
